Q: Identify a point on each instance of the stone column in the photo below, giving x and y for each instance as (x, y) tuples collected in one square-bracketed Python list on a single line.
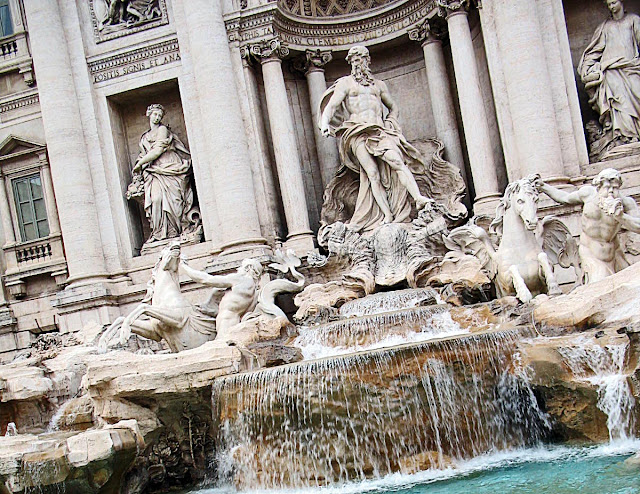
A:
[(285, 147), (474, 115), (5, 213), (444, 113), (529, 88), (326, 147), (50, 198), (65, 142), (226, 141)]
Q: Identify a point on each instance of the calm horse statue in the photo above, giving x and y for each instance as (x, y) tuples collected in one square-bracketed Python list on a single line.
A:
[(165, 313), (522, 263)]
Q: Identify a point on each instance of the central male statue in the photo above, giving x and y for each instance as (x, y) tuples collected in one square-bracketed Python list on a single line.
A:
[(372, 145)]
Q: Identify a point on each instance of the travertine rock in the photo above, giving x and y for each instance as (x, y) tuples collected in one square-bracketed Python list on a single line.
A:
[(611, 300)]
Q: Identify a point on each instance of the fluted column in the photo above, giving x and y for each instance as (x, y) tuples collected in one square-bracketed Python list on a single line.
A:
[(285, 147), (444, 113), (65, 142), (474, 116), (528, 87), (327, 148), (226, 141)]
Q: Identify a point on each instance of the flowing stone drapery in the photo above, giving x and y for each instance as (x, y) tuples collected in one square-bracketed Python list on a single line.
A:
[(226, 141), (444, 113), (65, 142), (326, 147), (474, 115), (285, 148)]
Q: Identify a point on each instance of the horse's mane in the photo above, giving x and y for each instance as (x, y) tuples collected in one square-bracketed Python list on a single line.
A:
[(526, 184), (152, 281)]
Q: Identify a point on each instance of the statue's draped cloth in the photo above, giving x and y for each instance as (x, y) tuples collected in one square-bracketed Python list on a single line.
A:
[(168, 197), (366, 214), (616, 95)]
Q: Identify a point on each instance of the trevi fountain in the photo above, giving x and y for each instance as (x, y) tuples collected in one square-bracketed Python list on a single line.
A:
[(320, 246)]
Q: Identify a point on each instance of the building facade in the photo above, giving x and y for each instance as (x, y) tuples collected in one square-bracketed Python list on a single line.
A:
[(239, 83)]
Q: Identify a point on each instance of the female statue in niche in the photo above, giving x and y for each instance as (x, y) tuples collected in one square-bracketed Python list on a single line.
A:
[(162, 173), (610, 70)]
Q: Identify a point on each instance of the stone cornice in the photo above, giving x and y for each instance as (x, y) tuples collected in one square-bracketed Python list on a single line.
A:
[(20, 100), (367, 28), (137, 60)]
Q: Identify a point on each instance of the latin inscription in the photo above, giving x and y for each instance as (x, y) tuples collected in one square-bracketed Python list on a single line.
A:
[(137, 66)]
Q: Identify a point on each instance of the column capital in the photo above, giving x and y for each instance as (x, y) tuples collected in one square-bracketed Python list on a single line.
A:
[(450, 8), (313, 60), (427, 32), (269, 50)]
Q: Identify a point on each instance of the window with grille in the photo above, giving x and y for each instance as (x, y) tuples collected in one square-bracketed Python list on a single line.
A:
[(6, 26), (31, 207)]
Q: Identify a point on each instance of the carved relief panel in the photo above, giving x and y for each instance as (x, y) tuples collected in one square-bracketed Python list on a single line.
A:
[(115, 18)]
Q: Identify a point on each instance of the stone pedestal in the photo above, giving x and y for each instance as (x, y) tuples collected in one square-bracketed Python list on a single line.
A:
[(285, 148), (474, 115)]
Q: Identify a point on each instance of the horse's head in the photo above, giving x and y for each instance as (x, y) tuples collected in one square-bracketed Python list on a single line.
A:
[(170, 257), (522, 196)]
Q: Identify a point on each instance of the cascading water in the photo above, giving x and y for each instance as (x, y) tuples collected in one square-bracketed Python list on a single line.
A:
[(390, 301), (369, 414), (603, 366), (373, 331)]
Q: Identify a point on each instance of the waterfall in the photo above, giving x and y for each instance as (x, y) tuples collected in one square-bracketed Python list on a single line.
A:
[(604, 367), (369, 414), (373, 331), (390, 301)]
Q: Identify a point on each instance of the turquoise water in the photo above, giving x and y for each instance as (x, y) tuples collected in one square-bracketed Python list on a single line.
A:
[(556, 470)]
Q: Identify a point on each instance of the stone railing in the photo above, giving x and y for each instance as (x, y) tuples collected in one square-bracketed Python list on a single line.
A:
[(9, 47), (35, 252), (44, 256), (14, 55)]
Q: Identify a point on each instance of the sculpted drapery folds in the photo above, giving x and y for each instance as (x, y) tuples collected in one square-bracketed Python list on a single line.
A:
[(610, 70), (164, 168), (380, 170)]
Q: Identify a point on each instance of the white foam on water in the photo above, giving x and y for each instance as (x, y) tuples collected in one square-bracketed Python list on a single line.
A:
[(459, 469), (438, 325)]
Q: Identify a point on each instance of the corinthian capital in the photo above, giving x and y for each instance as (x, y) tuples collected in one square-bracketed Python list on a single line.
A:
[(451, 7), (269, 49), (426, 32), (312, 60)]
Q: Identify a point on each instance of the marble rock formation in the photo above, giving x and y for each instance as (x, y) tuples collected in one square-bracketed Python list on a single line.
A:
[(162, 180), (522, 262), (605, 212), (394, 253), (609, 69)]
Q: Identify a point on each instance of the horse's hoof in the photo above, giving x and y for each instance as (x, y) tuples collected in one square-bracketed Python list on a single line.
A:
[(555, 291)]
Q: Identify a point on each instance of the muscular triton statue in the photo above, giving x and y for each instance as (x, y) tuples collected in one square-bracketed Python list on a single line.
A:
[(240, 291), (605, 212), (372, 145)]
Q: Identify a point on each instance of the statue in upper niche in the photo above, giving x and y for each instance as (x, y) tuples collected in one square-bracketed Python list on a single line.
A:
[(381, 173), (610, 70), (117, 13), (604, 213), (162, 176)]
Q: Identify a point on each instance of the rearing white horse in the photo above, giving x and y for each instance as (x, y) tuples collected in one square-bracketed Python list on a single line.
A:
[(165, 313), (522, 263)]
